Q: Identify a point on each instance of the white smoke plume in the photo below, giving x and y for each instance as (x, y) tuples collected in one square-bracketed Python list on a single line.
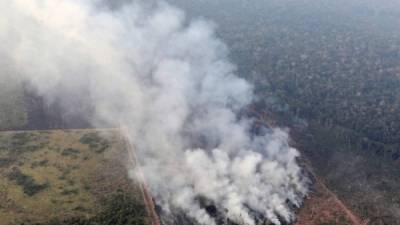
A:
[(168, 81)]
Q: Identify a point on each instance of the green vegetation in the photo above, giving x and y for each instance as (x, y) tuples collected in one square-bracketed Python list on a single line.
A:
[(95, 142), (20, 140), (29, 185), (5, 162), (23, 142), (70, 152), (39, 163), (120, 209), (70, 192)]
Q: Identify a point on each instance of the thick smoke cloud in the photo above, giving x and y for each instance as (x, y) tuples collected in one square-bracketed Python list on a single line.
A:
[(169, 84)]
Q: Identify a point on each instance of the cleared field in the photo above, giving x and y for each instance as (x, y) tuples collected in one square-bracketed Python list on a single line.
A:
[(67, 177), (323, 207)]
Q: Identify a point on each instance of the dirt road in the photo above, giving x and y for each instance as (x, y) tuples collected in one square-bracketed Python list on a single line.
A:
[(148, 200)]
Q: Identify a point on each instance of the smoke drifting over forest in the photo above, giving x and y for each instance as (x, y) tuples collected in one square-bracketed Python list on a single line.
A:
[(169, 83)]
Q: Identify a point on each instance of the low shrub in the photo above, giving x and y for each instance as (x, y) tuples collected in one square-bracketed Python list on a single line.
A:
[(29, 185)]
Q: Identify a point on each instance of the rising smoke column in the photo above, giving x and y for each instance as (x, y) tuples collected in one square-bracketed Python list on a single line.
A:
[(169, 83)]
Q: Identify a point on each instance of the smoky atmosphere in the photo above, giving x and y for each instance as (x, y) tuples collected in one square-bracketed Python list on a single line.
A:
[(199, 112)]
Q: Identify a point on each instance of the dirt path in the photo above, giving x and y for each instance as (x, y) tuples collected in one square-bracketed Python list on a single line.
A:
[(148, 200), (350, 215), (332, 200)]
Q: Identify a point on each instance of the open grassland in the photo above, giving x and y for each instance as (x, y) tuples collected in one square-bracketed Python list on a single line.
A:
[(67, 177)]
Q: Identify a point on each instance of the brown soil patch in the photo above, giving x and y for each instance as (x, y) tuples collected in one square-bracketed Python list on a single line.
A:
[(324, 208)]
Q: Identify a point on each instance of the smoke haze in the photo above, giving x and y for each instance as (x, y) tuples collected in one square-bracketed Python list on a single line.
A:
[(169, 83)]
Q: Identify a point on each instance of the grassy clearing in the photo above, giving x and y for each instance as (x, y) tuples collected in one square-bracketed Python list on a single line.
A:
[(55, 178)]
